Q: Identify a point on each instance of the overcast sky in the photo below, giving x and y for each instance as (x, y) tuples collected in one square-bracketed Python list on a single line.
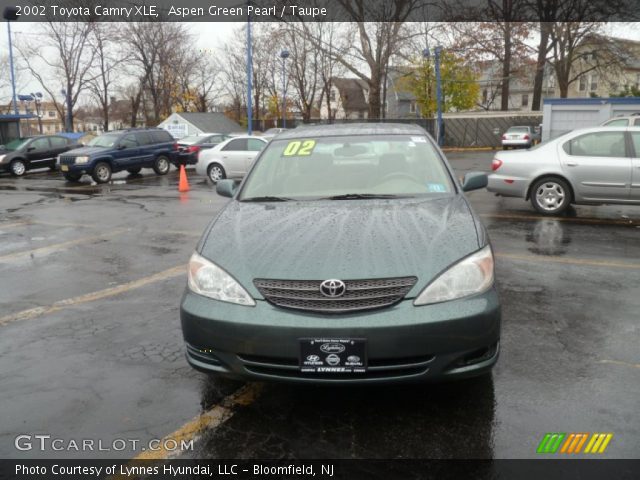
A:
[(208, 35)]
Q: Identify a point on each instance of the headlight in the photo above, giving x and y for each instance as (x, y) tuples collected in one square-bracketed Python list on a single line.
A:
[(211, 281), (2, 157), (473, 274), (81, 160)]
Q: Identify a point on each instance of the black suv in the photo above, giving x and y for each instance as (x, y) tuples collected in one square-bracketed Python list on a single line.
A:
[(26, 153), (130, 150)]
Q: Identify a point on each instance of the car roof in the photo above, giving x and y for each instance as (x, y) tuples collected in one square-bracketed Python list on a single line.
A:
[(604, 128), (245, 136), (351, 129), (599, 128)]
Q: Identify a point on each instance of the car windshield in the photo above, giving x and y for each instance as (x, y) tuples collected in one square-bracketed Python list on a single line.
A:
[(348, 167), (518, 130), (16, 144), (104, 141)]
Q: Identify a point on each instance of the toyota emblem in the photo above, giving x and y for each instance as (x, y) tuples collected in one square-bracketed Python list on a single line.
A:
[(333, 288)]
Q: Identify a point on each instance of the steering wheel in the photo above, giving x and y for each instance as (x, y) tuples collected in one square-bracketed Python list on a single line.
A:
[(403, 175)]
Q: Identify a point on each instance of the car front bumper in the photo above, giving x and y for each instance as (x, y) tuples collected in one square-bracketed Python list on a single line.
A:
[(405, 343)]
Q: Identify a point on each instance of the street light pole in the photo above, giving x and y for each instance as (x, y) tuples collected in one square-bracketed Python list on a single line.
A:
[(67, 96), (284, 54), (11, 14), (13, 78), (249, 74)]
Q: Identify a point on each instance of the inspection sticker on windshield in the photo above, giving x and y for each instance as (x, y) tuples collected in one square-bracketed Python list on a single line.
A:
[(299, 148), (419, 139), (436, 188)]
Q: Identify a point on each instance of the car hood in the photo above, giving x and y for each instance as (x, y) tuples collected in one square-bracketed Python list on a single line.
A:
[(85, 151), (342, 239)]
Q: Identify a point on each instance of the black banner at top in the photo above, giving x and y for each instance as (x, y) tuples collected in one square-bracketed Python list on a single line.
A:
[(320, 10)]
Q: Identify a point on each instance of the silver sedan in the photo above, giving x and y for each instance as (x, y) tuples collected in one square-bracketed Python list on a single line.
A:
[(230, 159), (591, 166)]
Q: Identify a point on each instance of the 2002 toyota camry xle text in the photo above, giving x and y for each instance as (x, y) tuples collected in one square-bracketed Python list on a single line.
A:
[(348, 254)]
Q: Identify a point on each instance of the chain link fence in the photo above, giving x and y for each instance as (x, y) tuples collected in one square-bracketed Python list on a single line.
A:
[(461, 132)]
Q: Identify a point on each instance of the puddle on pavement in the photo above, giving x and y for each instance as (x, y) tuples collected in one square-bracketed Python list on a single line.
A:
[(548, 237)]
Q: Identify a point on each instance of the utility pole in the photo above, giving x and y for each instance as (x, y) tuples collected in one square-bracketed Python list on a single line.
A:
[(284, 54), (249, 74)]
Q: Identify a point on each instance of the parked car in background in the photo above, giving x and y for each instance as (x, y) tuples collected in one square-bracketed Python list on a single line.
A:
[(189, 147), (520, 137), (632, 120), (231, 158), (27, 153), (593, 166), (130, 150), (321, 271), (272, 132)]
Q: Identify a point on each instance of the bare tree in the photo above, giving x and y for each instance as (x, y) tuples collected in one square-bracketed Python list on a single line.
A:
[(578, 49), (304, 72), (133, 94), (233, 76), (159, 50), (502, 41), (369, 43), (107, 62), (204, 82), (70, 66)]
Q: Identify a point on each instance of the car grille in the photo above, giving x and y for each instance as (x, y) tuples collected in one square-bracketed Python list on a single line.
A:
[(383, 368), (359, 294), (67, 160)]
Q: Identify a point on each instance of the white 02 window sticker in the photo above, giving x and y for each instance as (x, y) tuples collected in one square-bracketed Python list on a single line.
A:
[(419, 139)]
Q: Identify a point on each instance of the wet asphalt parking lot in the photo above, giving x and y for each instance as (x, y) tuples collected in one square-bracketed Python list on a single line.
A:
[(91, 347)]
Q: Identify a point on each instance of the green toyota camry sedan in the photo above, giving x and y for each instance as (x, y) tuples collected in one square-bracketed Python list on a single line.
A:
[(349, 254)]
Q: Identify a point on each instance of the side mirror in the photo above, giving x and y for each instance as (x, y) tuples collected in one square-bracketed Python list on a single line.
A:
[(226, 188), (474, 181), (121, 146), (30, 149)]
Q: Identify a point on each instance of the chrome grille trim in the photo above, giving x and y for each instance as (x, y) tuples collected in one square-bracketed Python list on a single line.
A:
[(67, 160), (360, 295)]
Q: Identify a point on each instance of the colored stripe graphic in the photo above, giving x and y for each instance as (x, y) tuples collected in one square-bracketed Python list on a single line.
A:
[(551, 442), (598, 443), (573, 442)]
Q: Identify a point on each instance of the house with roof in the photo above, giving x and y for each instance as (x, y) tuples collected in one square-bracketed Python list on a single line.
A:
[(183, 124), (348, 98), (610, 65), (520, 85)]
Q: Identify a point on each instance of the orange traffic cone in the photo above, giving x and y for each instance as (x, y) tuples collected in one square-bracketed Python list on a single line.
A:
[(183, 185)]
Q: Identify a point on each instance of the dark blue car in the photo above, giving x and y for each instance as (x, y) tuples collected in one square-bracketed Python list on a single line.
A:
[(130, 150)]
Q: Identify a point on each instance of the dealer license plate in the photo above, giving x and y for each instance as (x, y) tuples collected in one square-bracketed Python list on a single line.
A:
[(333, 355)]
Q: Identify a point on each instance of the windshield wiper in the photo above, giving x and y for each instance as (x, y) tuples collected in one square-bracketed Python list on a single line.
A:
[(358, 196), (265, 199)]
